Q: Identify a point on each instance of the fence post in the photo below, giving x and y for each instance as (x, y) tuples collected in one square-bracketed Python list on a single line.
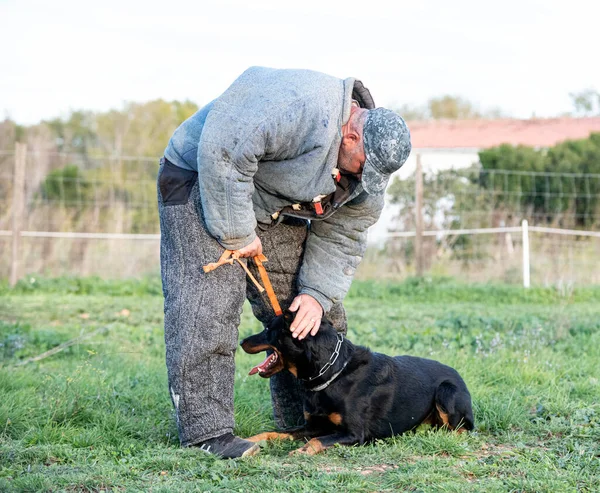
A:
[(526, 268), (419, 217), (17, 210)]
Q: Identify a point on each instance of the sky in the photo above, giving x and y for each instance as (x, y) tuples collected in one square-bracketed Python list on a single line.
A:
[(522, 56)]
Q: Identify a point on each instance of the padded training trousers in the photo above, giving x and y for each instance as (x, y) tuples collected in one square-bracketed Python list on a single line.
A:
[(202, 310)]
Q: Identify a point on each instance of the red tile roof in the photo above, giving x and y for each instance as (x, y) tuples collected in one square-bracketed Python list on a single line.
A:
[(481, 134)]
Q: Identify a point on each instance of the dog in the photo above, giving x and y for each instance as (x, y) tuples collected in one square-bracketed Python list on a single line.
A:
[(354, 395)]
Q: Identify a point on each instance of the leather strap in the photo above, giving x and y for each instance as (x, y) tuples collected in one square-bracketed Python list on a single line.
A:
[(258, 260), (225, 259), (229, 256)]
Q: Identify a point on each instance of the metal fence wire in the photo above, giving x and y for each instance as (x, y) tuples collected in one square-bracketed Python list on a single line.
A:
[(82, 215)]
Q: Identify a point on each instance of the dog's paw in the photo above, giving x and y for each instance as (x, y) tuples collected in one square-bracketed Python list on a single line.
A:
[(301, 451), (269, 435), (313, 447)]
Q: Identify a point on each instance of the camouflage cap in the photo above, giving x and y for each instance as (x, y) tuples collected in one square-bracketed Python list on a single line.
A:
[(387, 146)]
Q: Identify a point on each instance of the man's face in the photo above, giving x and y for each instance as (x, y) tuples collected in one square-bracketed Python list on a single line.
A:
[(351, 158)]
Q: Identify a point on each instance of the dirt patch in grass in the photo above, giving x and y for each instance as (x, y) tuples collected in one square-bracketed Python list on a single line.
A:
[(488, 449), (365, 471)]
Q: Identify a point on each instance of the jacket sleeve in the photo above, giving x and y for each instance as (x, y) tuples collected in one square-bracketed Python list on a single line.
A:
[(335, 247), (230, 149), (225, 175)]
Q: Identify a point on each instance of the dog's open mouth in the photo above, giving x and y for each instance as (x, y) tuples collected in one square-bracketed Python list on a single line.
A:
[(272, 364), (266, 365)]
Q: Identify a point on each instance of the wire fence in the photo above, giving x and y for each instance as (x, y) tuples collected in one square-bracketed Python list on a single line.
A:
[(549, 256), (476, 197), (97, 215), (66, 192)]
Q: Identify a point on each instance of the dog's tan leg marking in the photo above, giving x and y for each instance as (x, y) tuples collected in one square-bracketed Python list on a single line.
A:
[(335, 418), (270, 435), (313, 447), (444, 417), (430, 419), (306, 416)]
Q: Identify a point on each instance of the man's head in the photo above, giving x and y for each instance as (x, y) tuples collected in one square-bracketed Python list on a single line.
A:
[(375, 143)]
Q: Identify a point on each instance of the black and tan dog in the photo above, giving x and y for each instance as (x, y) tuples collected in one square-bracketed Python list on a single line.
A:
[(355, 395)]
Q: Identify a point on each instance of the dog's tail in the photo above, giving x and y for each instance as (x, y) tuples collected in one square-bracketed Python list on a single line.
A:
[(454, 406)]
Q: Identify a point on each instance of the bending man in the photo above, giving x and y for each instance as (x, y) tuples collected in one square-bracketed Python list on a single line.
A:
[(289, 163)]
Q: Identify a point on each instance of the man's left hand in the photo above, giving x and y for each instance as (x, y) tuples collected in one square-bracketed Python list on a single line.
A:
[(308, 316)]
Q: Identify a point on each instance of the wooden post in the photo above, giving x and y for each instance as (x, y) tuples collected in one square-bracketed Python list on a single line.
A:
[(419, 217), (17, 210), (526, 265)]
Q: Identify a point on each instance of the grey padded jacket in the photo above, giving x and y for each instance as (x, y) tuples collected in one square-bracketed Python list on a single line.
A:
[(272, 140)]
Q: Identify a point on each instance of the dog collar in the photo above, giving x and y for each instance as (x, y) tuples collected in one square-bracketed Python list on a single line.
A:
[(331, 362), (326, 384)]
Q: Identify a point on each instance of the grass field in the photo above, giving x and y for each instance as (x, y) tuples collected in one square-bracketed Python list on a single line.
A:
[(97, 416)]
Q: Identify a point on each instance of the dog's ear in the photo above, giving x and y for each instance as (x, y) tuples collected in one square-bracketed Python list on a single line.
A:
[(307, 346), (308, 354), (319, 346), (288, 317)]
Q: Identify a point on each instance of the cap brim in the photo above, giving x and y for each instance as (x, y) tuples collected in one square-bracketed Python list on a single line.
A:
[(373, 181)]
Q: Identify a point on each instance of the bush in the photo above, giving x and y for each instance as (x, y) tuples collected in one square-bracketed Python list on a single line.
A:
[(547, 183), (66, 185)]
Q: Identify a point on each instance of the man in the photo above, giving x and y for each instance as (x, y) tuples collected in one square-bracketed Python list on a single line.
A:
[(289, 163)]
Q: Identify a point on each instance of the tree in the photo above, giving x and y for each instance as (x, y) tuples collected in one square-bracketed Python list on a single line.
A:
[(446, 194), (452, 199), (66, 186), (138, 129), (75, 134), (446, 107), (452, 107), (141, 129), (586, 102), (413, 113), (8, 134)]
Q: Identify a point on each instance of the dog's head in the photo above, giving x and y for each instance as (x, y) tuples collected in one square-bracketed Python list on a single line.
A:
[(299, 357)]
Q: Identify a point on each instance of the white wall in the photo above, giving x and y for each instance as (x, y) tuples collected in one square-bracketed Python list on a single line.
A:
[(432, 160)]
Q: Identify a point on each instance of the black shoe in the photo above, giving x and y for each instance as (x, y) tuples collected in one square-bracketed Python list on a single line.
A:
[(228, 446)]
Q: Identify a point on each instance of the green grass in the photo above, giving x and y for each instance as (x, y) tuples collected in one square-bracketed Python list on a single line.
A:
[(97, 415)]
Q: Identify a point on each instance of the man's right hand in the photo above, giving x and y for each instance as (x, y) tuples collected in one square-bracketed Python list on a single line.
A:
[(251, 250)]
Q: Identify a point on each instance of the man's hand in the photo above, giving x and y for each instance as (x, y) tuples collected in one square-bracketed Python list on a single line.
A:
[(308, 316), (251, 250)]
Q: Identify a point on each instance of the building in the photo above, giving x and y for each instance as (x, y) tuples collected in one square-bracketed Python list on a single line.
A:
[(447, 144)]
